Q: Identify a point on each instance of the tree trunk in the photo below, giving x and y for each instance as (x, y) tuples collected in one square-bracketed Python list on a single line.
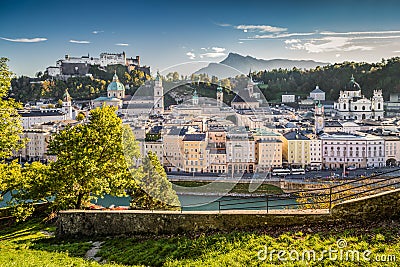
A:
[(79, 201)]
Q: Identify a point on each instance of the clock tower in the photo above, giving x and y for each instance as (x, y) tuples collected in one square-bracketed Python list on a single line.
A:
[(319, 118), (158, 96)]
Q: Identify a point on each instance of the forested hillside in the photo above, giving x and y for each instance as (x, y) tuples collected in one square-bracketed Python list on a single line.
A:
[(384, 75), (29, 89)]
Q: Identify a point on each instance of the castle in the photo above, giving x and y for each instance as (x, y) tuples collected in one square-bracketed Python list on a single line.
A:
[(79, 66)]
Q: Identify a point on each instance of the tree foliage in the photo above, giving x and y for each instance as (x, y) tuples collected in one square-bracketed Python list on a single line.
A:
[(10, 126), (332, 78), (154, 190), (90, 160)]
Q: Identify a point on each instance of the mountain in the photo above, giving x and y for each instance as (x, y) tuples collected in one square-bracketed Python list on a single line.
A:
[(236, 64)]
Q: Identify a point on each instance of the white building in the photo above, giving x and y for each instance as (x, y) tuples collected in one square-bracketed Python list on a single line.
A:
[(353, 105), (317, 94), (240, 151), (32, 117), (360, 151), (288, 98), (392, 150), (112, 59), (316, 154)]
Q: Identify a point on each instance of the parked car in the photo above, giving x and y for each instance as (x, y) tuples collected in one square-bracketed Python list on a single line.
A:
[(351, 168)]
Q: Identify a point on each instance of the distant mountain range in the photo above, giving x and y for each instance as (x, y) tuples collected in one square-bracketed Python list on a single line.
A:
[(236, 64)]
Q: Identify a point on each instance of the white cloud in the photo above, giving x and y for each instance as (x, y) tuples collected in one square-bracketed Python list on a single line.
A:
[(359, 33), (337, 55), (224, 24), (292, 41), (191, 55), (25, 40), (97, 32), (260, 28), (282, 35), (79, 42), (329, 44), (218, 49), (213, 55), (122, 44)]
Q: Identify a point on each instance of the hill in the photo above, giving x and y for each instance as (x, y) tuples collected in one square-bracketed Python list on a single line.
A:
[(236, 64)]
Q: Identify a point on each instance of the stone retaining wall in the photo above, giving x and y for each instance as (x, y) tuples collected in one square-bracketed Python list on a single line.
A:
[(77, 223)]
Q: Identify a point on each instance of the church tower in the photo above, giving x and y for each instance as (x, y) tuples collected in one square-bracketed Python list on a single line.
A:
[(319, 118), (195, 98), (377, 105), (250, 85), (220, 95), (158, 95), (67, 105)]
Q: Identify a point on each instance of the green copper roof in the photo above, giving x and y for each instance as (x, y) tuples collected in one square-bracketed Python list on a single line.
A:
[(195, 94), (219, 88), (115, 85)]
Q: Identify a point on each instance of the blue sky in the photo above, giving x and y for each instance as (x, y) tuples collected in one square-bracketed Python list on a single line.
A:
[(34, 34)]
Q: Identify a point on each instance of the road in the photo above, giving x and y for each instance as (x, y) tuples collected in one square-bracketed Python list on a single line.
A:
[(311, 175)]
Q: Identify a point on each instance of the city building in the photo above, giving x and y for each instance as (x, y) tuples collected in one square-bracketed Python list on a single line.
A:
[(315, 153), (392, 149), (194, 152), (115, 94), (296, 149), (353, 105), (317, 94), (173, 148), (39, 116), (240, 151), (268, 150), (343, 150), (288, 98)]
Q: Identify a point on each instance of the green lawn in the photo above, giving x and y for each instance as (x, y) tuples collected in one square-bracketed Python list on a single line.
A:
[(25, 245)]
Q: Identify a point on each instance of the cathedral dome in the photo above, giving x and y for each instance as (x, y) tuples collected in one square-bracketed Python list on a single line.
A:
[(353, 85), (115, 85)]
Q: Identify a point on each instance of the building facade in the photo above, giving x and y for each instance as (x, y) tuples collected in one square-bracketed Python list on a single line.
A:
[(353, 105)]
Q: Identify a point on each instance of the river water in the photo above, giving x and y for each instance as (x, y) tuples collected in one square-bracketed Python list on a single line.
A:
[(200, 203)]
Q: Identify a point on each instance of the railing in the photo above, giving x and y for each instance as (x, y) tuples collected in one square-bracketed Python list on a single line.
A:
[(321, 198)]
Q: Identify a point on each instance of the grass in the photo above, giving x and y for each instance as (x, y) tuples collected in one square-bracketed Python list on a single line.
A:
[(29, 244), (26, 244), (242, 188)]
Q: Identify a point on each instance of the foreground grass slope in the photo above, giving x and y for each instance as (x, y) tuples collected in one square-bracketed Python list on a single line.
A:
[(29, 244)]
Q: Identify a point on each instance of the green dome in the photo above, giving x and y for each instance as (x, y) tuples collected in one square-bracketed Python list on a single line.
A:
[(115, 85)]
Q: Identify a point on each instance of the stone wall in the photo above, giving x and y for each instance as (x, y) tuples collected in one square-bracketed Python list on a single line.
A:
[(74, 223), (384, 205)]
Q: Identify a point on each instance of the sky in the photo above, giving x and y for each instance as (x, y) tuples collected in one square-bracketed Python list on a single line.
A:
[(35, 34)]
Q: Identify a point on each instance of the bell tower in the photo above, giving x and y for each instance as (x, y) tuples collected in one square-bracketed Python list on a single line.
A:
[(319, 118), (158, 95), (220, 95), (67, 105)]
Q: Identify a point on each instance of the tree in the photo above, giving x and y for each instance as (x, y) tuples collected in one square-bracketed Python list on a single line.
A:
[(91, 160), (10, 126), (80, 116), (154, 190)]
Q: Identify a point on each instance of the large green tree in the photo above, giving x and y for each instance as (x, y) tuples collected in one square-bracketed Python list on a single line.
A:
[(154, 191), (91, 159), (10, 126), (10, 132)]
